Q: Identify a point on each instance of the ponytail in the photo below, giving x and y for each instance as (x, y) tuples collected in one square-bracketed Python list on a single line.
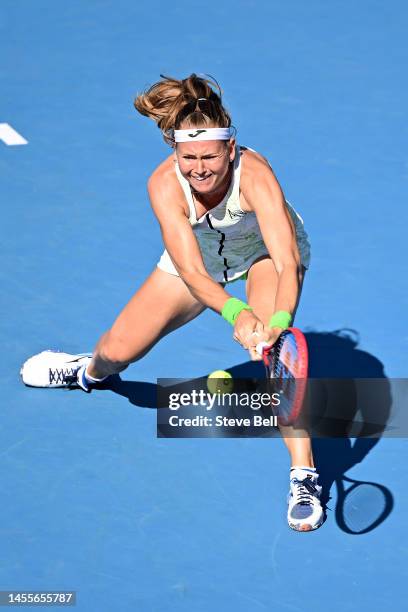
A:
[(191, 102)]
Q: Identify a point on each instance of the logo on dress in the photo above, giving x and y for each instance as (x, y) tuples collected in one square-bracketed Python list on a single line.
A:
[(236, 213)]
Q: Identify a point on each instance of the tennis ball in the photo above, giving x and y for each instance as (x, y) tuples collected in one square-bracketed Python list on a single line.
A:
[(220, 382)]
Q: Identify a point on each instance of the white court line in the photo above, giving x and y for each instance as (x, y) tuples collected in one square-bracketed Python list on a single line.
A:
[(9, 136)]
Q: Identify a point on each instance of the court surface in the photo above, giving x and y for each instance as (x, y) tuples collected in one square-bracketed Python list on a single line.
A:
[(91, 500)]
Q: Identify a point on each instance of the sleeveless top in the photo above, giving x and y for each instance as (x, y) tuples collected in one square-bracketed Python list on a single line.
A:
[(230, 238)]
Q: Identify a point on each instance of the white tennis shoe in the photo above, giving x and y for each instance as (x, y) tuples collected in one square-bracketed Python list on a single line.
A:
[(305, 511), (55, 369)]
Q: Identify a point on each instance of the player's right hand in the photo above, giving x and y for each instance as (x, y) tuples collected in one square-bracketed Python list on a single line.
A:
[(249, 331)]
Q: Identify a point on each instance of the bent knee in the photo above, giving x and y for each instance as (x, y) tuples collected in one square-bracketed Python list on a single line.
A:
[(115, 349)]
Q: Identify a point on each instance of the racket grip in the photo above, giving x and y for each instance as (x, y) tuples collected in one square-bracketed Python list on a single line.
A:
[(260, 347)]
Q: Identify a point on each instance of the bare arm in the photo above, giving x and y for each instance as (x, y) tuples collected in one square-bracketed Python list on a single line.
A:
[(264, 196), (168, 205)]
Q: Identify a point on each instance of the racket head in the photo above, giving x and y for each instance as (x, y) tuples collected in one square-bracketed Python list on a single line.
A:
[(286, 364)]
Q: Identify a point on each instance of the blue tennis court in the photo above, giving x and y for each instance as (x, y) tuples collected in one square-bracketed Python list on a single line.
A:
[(92, 501)]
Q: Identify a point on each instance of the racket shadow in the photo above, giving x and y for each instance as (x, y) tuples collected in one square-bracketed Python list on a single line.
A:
[(359, 506), (363, 506)]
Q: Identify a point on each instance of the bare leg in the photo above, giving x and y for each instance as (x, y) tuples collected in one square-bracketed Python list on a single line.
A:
[(163, 303), (261, 292)]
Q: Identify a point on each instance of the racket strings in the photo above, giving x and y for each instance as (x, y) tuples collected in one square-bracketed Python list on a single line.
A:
[(286, 366), (282, 372), (277, 365)]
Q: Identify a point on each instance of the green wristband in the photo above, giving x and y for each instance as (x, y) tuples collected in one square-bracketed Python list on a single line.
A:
[(281, 318), (232, 308)]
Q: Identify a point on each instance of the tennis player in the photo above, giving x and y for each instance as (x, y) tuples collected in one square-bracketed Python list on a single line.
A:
[(223, 217)]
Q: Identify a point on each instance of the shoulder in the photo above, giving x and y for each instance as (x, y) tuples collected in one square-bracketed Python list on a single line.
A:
[(258, 180), (163, 176), (255, 167), (164, 187), (253, 163)]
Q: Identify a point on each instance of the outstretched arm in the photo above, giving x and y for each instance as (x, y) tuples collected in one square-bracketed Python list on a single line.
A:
[(182, 245), (168, 204), (264, 196)]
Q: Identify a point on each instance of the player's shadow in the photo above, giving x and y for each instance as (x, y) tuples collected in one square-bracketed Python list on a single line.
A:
[(349, 406), (141, 394)]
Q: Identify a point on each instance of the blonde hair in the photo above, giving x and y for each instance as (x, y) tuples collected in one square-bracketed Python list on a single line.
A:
[(191, 102)]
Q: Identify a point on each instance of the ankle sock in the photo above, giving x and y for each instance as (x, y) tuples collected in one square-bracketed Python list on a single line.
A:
[(93, 381), (303, 467), (302, 471)]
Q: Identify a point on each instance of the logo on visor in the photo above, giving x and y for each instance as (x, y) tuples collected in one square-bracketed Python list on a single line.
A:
[(197, 133)]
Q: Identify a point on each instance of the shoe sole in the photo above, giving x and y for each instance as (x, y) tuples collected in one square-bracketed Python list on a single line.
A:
[(306, 526), (73, 386)]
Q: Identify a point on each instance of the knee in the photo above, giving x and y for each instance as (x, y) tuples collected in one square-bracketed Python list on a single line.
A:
[(114, 349)]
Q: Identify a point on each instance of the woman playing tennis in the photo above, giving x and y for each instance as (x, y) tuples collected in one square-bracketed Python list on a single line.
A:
[(222, 216)]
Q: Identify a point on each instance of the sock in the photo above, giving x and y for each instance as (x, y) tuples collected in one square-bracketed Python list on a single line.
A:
[(92, 380), (303, 467), (294, 473)]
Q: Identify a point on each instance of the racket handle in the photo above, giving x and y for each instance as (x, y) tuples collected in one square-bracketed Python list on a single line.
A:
[(261, 346)]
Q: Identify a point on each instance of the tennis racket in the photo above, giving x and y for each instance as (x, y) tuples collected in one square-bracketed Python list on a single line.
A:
[(362, 506), (286, 364)]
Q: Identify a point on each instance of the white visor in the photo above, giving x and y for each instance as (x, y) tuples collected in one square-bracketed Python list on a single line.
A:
[(203, 134)]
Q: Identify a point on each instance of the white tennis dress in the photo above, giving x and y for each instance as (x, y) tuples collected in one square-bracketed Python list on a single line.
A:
[(230, 238)]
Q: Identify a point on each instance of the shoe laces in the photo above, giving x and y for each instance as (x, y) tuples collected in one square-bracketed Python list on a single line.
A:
[(63, 375), (305, 491)]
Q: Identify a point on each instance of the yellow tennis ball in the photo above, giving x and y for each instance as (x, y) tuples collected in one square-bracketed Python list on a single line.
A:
[(220, 382)]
